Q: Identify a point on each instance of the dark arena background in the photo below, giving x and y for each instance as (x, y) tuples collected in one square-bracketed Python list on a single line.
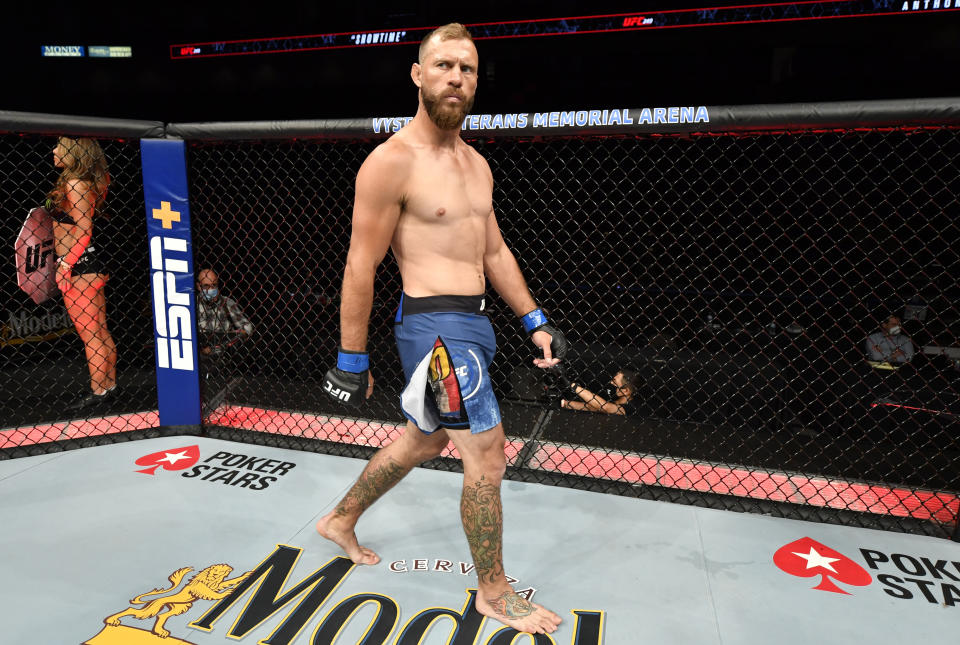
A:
[(736, 257)]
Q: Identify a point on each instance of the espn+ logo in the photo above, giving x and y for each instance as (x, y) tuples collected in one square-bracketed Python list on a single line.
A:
[(171, 308)]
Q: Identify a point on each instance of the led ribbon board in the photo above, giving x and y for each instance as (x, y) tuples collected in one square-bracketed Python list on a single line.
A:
[(637, 21)]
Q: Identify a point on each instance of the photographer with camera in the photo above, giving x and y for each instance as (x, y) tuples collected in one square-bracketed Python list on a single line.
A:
[(616, 397)]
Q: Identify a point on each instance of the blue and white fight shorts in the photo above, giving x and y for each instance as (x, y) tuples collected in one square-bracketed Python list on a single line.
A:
[(446, 345)]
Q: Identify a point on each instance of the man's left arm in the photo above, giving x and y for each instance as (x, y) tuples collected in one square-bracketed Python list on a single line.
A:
[(203, 326), (501, 268), (908, 348)]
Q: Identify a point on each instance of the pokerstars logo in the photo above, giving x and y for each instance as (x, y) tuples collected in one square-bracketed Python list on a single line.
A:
[(226, 468), (176, 459), (807, 558), (901, 575)]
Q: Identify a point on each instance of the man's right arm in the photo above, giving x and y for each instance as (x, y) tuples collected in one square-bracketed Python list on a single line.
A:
[(594, 402), (376, 211), (873, 349)]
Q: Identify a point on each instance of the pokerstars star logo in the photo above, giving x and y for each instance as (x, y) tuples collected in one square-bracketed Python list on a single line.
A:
[(807, 558), (176, 459)]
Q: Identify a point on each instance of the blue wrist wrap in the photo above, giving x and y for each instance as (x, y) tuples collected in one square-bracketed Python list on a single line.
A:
[(534, 319), (355, 362)]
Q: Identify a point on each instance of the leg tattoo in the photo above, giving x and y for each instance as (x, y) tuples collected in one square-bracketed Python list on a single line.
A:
[(482, 515), (373, 483)]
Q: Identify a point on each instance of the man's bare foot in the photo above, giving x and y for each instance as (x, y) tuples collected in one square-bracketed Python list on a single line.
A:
[(346, 540), (513, 610)]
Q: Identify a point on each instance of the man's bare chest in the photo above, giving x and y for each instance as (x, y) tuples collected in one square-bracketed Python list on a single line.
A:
[(447, 191)]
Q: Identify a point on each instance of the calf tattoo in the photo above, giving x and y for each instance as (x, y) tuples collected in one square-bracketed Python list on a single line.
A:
[(372, 484), (482, 515)]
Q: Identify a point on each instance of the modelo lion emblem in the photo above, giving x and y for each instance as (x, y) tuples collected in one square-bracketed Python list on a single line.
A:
[(210, 584)]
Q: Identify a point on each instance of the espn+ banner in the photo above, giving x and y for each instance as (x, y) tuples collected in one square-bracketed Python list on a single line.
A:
[(171, 280)]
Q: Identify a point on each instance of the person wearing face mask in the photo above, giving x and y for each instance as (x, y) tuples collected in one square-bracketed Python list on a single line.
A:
[(616, 397), (890, 344), (220, 321)]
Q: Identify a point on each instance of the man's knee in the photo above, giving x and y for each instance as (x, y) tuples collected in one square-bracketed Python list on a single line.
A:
[(496, 463), (432, 445), (491, 460), (422, 446), (434, 450)]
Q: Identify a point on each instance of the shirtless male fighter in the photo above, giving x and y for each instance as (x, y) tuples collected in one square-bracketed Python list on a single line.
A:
[(428, 196)]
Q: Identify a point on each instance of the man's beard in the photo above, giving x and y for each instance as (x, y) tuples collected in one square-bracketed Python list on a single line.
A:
[(446, 116)]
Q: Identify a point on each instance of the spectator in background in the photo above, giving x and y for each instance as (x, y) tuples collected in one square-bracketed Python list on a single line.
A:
[(890, 344), (220, 321), (616, 397)]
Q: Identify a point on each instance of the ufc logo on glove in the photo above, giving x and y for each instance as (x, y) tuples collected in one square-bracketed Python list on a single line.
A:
[(337, 393)]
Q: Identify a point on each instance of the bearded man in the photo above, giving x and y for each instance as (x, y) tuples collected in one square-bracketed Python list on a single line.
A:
[(428, 196)]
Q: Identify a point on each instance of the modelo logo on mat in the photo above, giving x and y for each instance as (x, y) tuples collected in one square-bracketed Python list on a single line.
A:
[(227, 468), (267, 593), (902, 576)]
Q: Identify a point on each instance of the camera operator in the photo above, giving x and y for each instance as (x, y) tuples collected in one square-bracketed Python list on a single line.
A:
[(616, 397)]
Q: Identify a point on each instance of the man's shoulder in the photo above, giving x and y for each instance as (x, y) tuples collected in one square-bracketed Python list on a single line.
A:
[(477, 159), (395, 150), (475, 153), (876, 336), (392, 159)]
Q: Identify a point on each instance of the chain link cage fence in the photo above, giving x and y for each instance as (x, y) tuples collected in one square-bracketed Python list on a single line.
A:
[(76, 304), (727, 296), (727, 289)]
